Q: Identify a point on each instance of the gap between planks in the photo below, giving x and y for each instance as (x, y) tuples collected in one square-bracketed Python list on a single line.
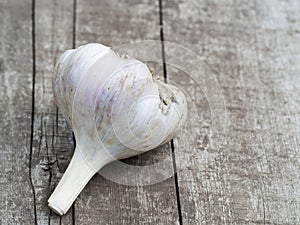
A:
[(32, 108), (162, 39)]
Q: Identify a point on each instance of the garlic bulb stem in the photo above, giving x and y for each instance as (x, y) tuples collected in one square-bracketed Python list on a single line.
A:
[(77, 175)]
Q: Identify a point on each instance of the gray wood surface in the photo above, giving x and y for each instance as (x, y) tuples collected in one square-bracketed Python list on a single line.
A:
[(52, 138), (252, 48), (16, 194)]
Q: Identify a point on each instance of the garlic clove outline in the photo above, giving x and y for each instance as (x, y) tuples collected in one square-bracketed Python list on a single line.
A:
[(116, 108)]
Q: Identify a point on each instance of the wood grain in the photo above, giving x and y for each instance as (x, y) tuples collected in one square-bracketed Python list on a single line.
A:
[(16, 193), (52, 138), (252, 47)]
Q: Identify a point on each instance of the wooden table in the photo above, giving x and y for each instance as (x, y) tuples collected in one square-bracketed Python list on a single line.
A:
[(253, 49)]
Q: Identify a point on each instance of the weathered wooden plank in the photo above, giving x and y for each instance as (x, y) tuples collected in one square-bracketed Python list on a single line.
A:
[(102, 201), (16, 194), (52, 138), (252, 47)]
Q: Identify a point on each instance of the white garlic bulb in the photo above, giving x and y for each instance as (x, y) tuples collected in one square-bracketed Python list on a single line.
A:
[(117, 109)]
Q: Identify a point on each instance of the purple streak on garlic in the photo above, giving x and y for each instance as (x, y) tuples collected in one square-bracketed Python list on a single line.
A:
[(117, 109)]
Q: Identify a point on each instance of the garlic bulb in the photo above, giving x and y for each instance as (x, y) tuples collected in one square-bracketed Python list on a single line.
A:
[(117, 109)]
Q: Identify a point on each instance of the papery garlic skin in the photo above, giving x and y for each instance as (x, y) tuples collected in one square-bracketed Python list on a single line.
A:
[(116, 108)]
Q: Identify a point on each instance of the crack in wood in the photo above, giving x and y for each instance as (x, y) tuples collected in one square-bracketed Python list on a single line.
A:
[(172, 141), (32, 109)]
